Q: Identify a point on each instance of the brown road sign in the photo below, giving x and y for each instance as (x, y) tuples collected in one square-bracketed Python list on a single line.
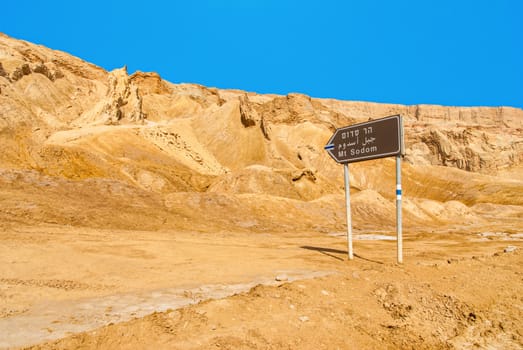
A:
[(370, 140)]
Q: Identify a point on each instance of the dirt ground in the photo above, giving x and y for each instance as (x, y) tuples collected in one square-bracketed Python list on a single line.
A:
[(186, 290)]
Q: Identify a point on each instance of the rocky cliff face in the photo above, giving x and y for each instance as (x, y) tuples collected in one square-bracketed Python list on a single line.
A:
[(68, 120)]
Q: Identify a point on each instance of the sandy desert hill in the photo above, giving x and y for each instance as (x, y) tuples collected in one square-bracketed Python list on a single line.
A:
[(172, 154), (88, 149)]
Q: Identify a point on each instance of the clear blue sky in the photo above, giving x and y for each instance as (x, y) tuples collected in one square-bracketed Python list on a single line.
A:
[(450, 52)]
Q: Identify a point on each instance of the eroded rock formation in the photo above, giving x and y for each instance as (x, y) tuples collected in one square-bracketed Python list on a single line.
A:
[(67, 119), (123, 100)]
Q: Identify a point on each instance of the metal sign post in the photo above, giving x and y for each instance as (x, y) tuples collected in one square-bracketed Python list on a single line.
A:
[(399, 231), (347, 207), (374, 139)]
